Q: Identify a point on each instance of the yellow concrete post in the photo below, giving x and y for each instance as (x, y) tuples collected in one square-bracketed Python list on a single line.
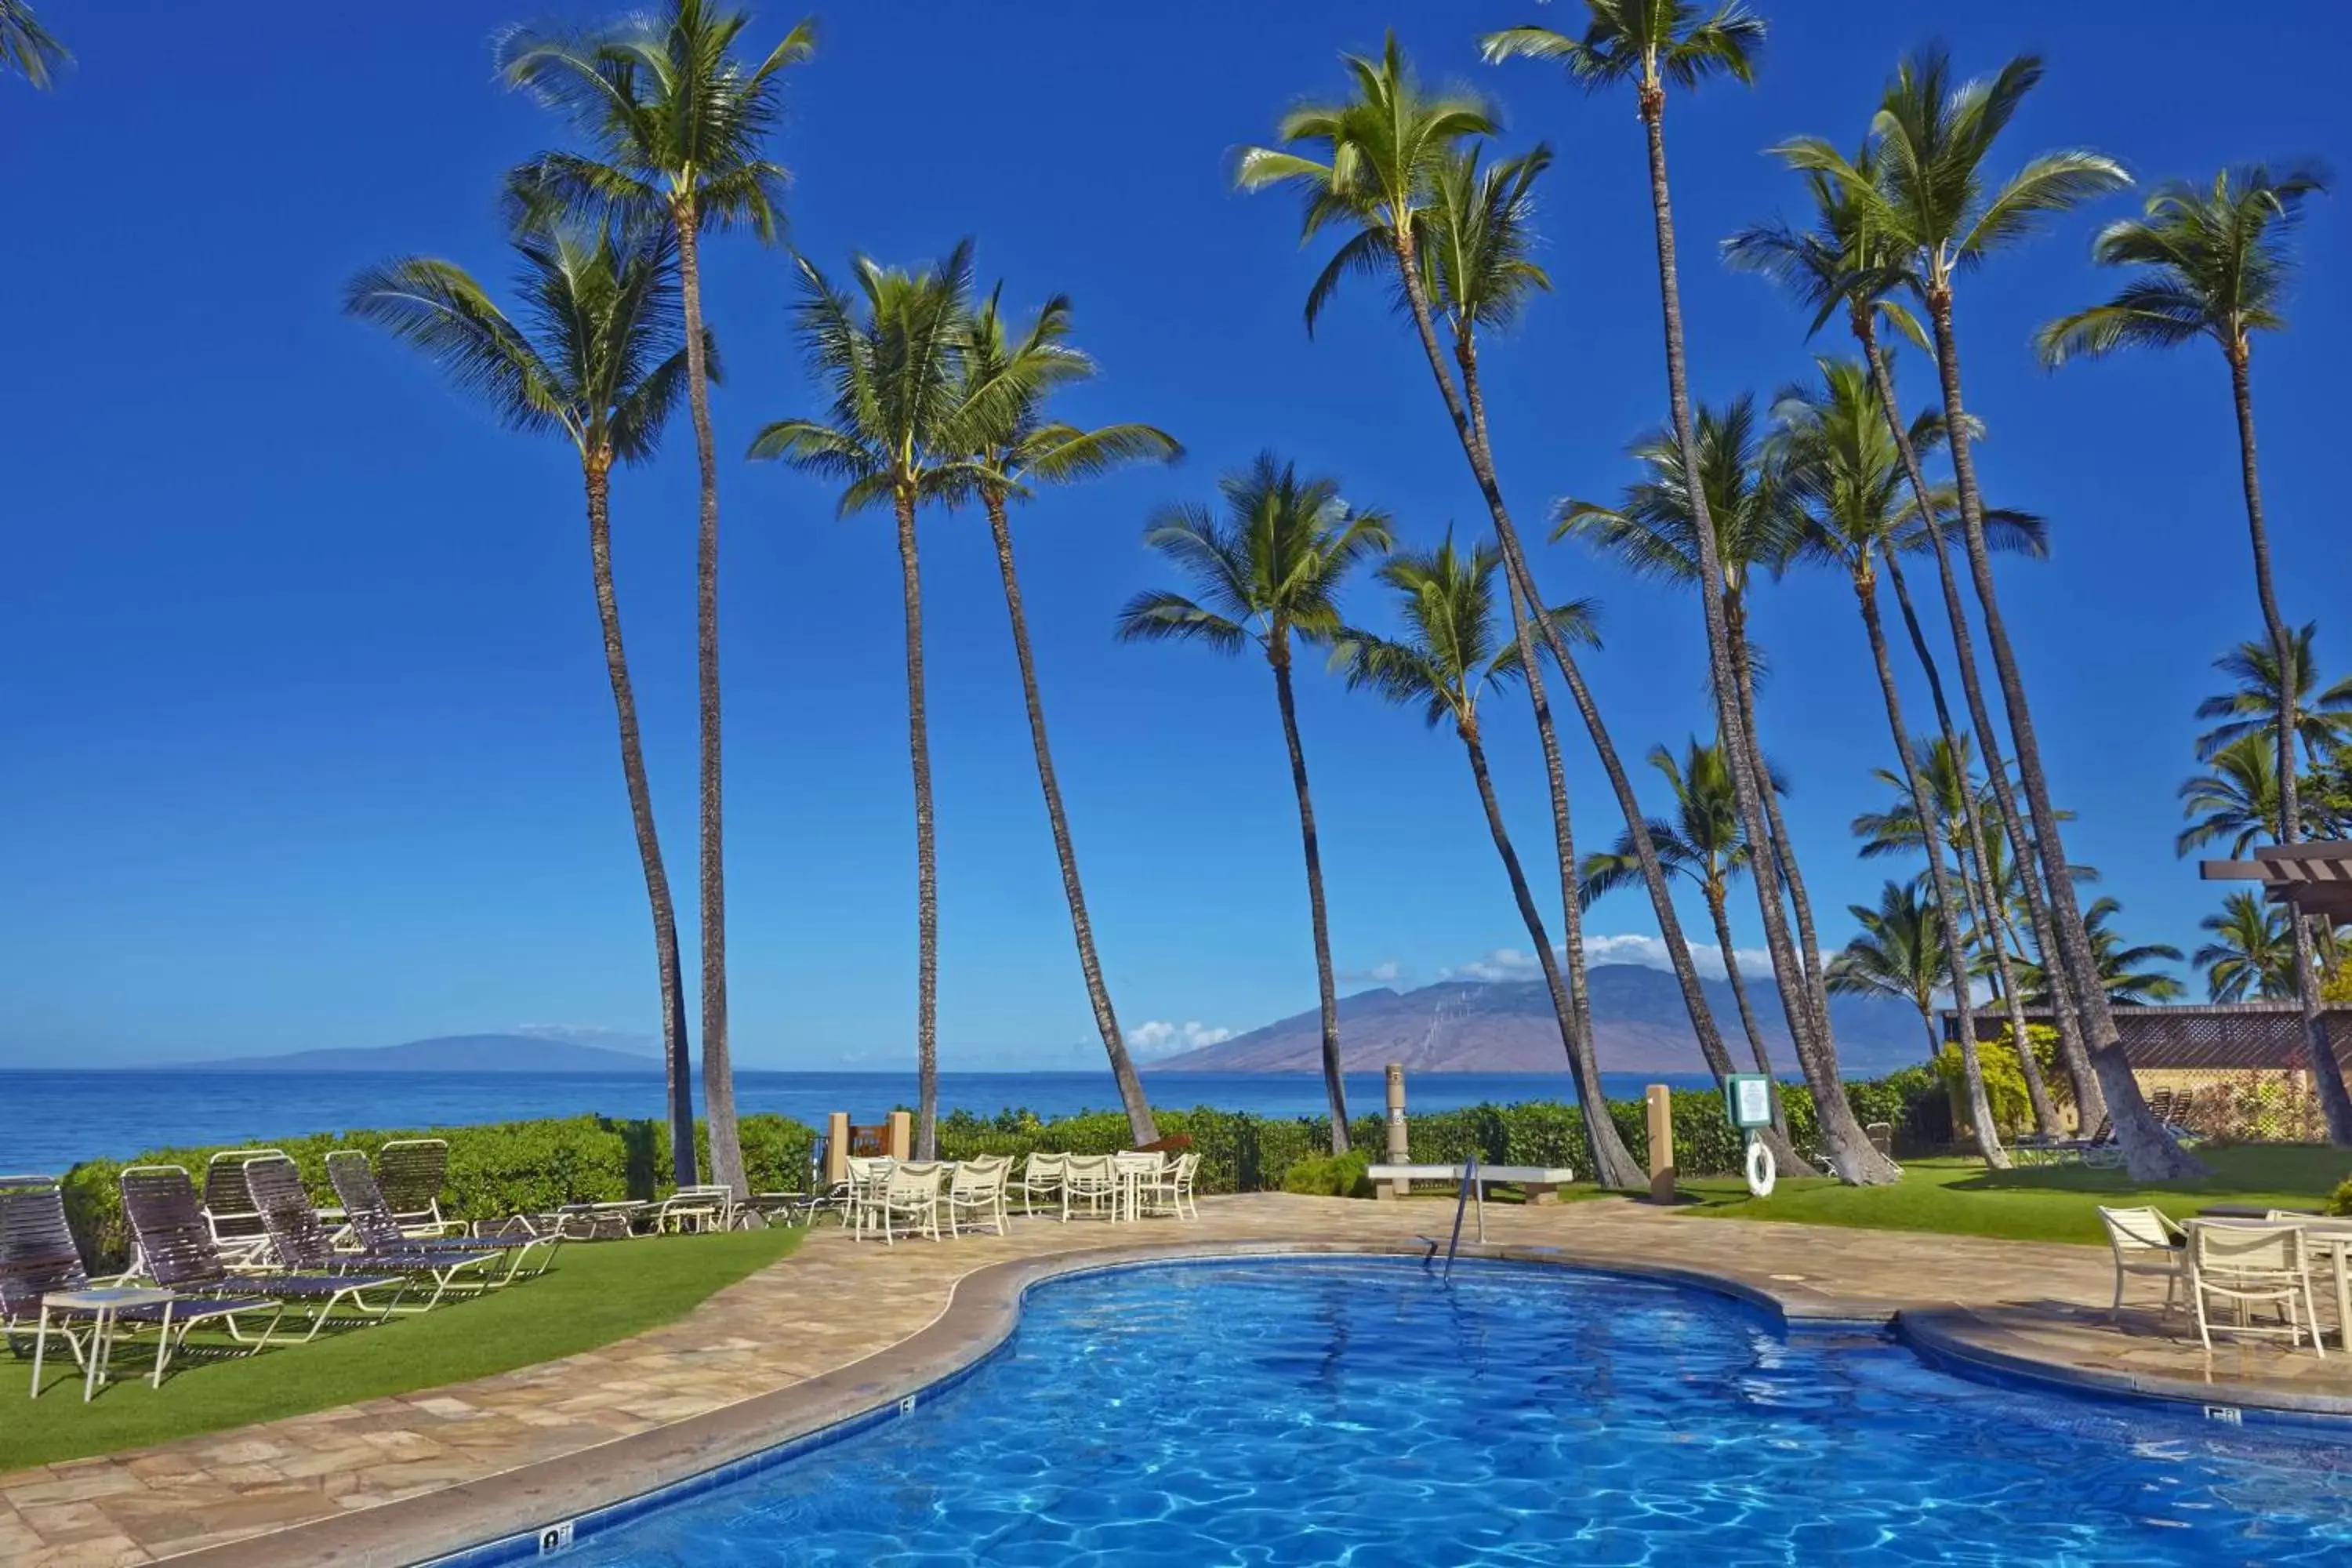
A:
[(837, 1148), (1661, 1107), (901, 1142)]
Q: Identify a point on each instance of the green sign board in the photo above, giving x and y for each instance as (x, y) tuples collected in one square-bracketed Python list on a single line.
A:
[(1748, 1100)]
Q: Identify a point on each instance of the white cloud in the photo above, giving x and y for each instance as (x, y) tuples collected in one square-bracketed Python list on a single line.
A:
[(1386, 972), (1160, 1037), (1631, 947)]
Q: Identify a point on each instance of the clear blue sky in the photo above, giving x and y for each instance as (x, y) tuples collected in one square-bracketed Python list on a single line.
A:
[(307, 736)]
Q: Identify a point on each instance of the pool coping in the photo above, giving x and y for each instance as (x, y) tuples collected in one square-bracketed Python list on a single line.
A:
[(500, 1518)]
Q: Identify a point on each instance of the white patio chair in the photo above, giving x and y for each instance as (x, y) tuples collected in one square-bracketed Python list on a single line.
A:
[(2250, 1266), (2145, 1241), (976, 1195), (1170, 1191), (910, 1195), (1134, 1173), (1090, 1182), (862, 1207), (1041, 1178)]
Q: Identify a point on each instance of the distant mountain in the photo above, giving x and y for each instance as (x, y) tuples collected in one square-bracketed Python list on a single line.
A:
[(1638, 1019), (448, 1053)]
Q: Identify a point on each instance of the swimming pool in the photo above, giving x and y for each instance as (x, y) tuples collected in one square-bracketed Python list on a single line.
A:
[(1292, 1411)]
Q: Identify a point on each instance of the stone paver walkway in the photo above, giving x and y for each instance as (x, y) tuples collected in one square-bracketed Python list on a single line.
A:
[(841, 1327)]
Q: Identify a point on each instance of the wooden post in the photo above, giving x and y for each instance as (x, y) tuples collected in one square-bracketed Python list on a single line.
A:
[(1661, 1106), (1396, 1114), (837, 1148), (899, 1142)]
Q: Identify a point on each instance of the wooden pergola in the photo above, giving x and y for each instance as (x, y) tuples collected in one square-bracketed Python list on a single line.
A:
[(2310, 879)]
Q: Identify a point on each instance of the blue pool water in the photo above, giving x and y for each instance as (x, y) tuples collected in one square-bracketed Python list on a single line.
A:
[(1359, 1412)]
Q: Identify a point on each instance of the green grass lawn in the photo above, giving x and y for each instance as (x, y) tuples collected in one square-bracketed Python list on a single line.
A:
[(2045, 1202), (594, 1294)]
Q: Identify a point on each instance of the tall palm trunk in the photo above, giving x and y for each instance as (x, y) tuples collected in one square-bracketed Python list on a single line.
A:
[(2334, 1102), (2090, 1100), (1849, 1147), (677, 1060), (1947, 907), (1984, 907), (2149, 1150), (1327, 992), (718, 1072), (1470, 429), (927, 871), (1718, 910), (1809, 948), (1122, 1068), (1612, 1163), (1596, 1109)]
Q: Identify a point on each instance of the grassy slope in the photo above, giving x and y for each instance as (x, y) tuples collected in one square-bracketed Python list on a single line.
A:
[(595, 1295), (2056, 1203)]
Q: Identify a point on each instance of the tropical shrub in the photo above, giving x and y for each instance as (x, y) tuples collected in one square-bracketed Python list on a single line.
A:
[(1330, 1175)]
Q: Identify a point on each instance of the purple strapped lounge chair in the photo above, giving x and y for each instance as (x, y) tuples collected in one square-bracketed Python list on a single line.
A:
[(177, 1251), (38, 1258), (370, 1217), (299, 1244)]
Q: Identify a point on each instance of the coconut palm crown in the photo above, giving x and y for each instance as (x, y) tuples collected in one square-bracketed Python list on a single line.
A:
[(1653, 43), (27, 48)]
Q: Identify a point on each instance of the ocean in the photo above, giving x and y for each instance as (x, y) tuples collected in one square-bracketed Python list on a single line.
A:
[(51, 1119)]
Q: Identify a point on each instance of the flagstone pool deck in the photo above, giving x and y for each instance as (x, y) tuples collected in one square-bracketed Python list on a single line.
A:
[(841, 1328)]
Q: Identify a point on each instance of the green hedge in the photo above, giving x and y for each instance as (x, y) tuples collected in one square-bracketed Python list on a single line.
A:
[(495, 1169), (1243, 1153)]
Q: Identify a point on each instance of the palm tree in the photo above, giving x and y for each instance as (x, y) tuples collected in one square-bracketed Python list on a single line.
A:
[(1450, 653), (1927, 195), (2212, 262), (1839, 467), (1268, 572), (27, 48), (1014, 446), (1382, 151), (1652, 44), (2251, 951), (2124, 979), (1757, 529), (1899, 953), (2237, 802), (1846, 259), (675, 124), (1702, 841), (599, 358), (889, 358), (2323, 720)]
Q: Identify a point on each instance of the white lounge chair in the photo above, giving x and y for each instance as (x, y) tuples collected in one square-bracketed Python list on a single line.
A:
[(2145, 1241), (700, 1207), (1090, 1182), (976, 1195), (2250, 1265)]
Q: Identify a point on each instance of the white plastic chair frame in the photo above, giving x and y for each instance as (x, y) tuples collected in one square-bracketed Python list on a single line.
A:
[(869, 1175), (1091, 1182), (1135, 1171), (2250, 1266), (976, 1189), (2146, 1242), (1170, 1191), (910, 1191), (1041, 1178)]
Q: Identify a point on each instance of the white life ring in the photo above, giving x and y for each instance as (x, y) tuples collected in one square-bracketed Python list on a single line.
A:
[(1760, 1169)]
